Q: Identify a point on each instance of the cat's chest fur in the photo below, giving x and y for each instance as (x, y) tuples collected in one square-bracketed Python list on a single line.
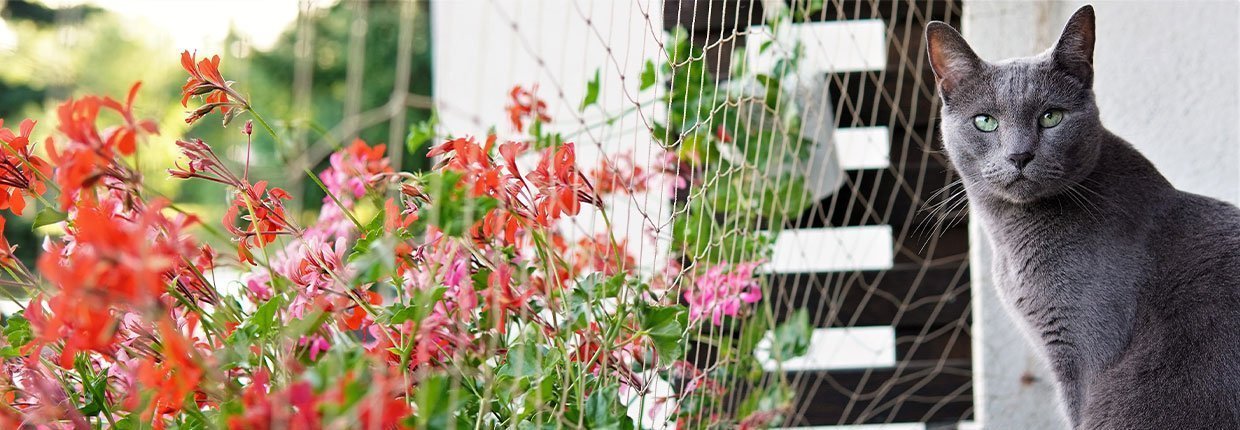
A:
[(1071, 281)]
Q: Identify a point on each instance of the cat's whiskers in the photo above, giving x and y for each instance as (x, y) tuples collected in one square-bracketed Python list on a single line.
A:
[(1086, 187), (961, 214), (957, 201), (936, 210), (1083, 203), (945, 189)]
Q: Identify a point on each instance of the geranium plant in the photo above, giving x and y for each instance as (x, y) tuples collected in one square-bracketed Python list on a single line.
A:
[(457, 301)]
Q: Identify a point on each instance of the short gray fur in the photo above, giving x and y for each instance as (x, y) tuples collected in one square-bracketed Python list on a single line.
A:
[(1129, 287)]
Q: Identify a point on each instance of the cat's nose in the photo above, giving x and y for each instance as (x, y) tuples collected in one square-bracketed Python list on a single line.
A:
[(1020, 159)]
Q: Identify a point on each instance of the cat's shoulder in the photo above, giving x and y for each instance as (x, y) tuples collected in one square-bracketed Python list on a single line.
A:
[(1198, 246), (1196, 215)]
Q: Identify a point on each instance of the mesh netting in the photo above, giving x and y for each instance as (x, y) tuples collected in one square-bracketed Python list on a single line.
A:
[(771, 166)]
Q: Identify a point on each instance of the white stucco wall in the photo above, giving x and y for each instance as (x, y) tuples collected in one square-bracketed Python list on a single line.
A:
[(482, 48), (1167, 79)]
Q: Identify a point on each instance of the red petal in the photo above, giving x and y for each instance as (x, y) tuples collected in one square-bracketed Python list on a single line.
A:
[(187, 61), (18, 202), (133, 91), (125, 141), (26, 127), (149, 126)]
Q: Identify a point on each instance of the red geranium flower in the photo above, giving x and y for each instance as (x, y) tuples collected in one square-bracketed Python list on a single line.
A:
[(205, 80), (77, 120), (124, 136), (562, 188), (619, 174), (296, 407), (265, 218), (82, 321), (169, 378), (20, 170), (524, 105), (599, 254), (88, 155)]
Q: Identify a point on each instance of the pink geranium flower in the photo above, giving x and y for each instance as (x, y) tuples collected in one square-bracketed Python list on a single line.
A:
[(722, 290)]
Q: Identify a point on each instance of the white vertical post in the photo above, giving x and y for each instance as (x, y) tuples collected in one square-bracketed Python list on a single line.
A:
[(1012, 387)]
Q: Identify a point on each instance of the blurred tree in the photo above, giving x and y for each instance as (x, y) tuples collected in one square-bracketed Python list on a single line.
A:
[(68, 51), (40, 14), (16, 96), (334, 60), (309, 94)]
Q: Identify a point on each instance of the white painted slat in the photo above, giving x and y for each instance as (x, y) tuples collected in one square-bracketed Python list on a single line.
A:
[(838, 249), (837, 348), (835, 46), (863, 147)]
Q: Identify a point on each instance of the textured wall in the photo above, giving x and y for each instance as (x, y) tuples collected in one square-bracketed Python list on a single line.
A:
[(1167, 80)]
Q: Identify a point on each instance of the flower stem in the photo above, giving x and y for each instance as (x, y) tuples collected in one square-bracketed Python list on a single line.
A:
[(263, 122)]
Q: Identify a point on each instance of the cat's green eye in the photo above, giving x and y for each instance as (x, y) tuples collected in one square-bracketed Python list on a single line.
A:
[(1050, 118), (985, 123)]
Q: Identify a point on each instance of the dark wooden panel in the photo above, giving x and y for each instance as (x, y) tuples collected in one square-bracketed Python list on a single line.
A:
[(933, 344), (918, 392), (706, 15), (906, 297), (718, 53), (873, 98), (711, 16), (925, 296), (888, 10), (883, 197)]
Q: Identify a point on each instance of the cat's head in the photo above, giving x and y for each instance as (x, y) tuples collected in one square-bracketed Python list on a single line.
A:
[(1022, 129)]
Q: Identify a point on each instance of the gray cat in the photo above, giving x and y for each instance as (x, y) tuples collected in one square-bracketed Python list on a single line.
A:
[(1130, 287)]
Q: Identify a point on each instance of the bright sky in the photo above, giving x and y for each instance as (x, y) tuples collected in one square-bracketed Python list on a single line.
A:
[(199, 24)]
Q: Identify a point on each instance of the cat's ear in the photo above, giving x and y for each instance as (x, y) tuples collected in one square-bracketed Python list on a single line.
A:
[(1074, 53), (950, 57)]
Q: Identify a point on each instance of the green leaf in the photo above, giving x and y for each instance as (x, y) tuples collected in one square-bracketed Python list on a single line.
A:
[(791, 339), (48, 216), (773, 398), (542, 138), (421, 304), (665, 325), (371, 232), (765, 45), (604, 411), (17, 331), (94, 388), (649, 76), (523, 360), (754, 329), (421, 133), (591, 92), (788, 199), (263, 320), (453, 210), (374, 255), (131, 421), (597, 288), (434, 400)]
